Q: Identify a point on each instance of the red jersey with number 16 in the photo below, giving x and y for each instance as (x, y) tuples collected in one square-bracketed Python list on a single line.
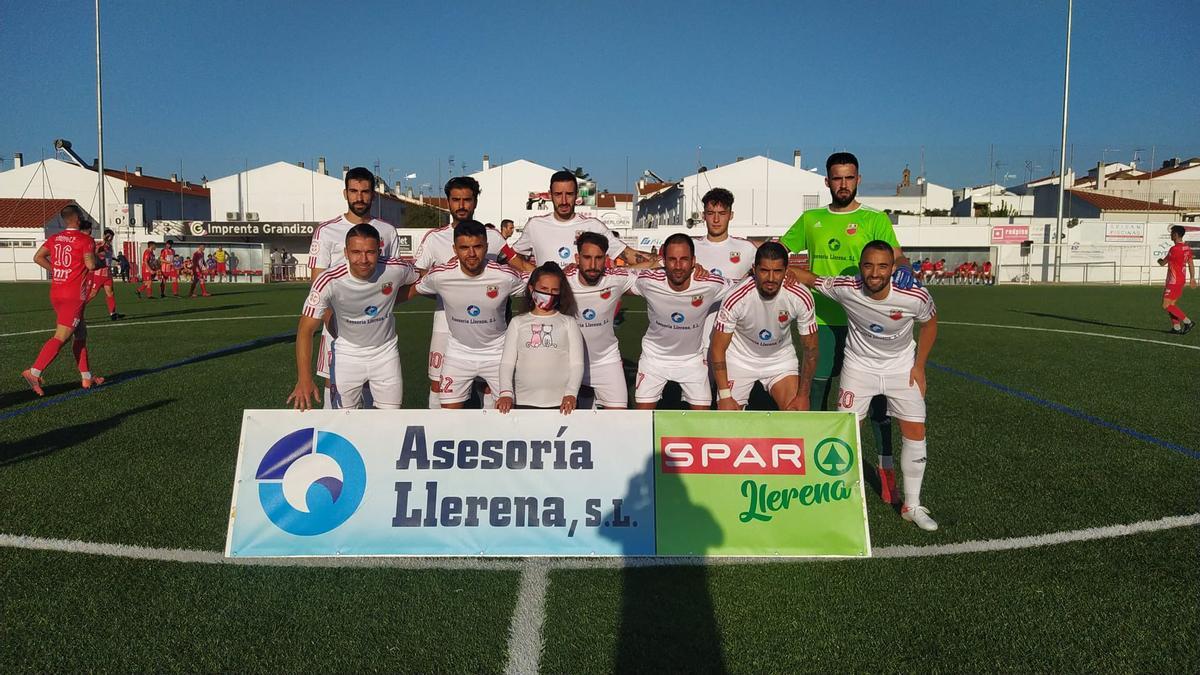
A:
[(1177, 258), (68, 273)]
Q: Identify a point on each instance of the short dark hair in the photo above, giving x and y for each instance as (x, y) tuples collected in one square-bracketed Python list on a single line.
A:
[(85, 225), (878, 245), (718, 196), (564, 176), (109, 233), (1179, 230), (507, 220), (840, 158), (360, 173), (679, 238), (566, 298), (470, 228), (592, 238), (771, 250), (361, 230), (71, 211), (459, 182)]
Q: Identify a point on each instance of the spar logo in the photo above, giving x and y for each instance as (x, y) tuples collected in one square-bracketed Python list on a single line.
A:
[(311, 481), (687, 454), (833, 457)]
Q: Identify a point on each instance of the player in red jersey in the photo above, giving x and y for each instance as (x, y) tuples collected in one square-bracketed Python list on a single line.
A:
[(987, 273), (68, 256), (101, 277), (198, 264), (1179, 255), (168, 271), (149, 268)]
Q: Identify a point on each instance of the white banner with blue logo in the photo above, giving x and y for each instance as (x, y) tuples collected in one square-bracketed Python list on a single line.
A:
[(443, 482)]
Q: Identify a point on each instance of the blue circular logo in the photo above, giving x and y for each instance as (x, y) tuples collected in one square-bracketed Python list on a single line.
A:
[(310, 481), (371, 310), (472, 310), (589, 314), (677, 317), (564, 253), (716, 272), (876, 328), (764, 335)]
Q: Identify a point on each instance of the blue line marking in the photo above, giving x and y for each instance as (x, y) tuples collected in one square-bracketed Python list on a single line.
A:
[(62, 398), (1078, 414)]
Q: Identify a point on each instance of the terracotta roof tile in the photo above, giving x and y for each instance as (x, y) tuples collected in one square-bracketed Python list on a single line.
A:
[(156, 183), (30, 212), (1111, 203)]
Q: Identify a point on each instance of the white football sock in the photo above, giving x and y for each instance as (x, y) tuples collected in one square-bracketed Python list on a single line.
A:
[(912, 468)]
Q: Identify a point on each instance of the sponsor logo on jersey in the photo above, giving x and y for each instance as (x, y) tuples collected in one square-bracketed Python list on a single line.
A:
[(310, 482), (314, 298), (717, 272), (895, 315), (472, 310), (876, 328), (783, 317), (589, 314), (852, 229), (606, 294), (564, 253), (371, 310), (764, 335), (493, 291), (697, 300), (387, 288), (677, 317), (735, 257), (834, 244), (816, 224)]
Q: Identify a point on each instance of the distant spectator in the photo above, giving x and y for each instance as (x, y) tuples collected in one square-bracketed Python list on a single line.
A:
[(123, 264), (506, 228)]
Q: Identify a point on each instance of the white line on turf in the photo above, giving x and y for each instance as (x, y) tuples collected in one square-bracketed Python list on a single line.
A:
[(1069, 332), (525, 631), (123, 324)]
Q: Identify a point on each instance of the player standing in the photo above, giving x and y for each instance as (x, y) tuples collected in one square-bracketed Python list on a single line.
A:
[(717, 252), (598, 290), (677, 307), (329, 242), (198, 268), (881, 358), (474, 294), (1177, 256), (752, 339), (68, 256), (219, 256), (102, 275), (551, 238), (168, 270), (437, 248), (361, 293), (149, 269), (834, 235)]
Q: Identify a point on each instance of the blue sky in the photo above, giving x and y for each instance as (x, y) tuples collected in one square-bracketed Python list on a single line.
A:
[(219, 84)]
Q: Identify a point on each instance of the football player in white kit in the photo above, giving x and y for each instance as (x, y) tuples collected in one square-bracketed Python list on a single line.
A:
[(474, 293), (752, 339), (717, 252), (677, 307), (329, 240), (437, 248), (360, 293), (551, 238), (881, 357), (598, 292)]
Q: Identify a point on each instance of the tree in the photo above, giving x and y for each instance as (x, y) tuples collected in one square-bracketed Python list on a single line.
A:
[(579, 173), (425, 217)]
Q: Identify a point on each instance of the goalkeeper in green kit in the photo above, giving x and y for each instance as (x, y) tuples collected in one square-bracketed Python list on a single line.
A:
[(834, 237)]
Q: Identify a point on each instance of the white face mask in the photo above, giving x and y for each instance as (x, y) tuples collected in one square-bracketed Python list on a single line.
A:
[(544, 301)]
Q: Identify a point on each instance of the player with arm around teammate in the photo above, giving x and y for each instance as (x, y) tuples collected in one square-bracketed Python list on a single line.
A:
[(752, 340), (542, 364), (882, 359), (361, 292)]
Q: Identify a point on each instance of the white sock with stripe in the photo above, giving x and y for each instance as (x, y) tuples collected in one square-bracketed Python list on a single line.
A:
[(912, 468)]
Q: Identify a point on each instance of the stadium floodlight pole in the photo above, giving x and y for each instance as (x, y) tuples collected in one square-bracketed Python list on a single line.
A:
[(101, 216), (1062, 155)]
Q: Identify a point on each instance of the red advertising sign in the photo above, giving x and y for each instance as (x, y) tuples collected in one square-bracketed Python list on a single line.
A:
[(1009, 234)]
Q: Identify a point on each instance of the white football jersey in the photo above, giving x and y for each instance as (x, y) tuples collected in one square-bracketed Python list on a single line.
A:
[(437, 247), (597, 305), (761, 328), (361, 307), (677, 318), (880, 335), (549, 239), (731, 258), (329, 241), (474, 306)]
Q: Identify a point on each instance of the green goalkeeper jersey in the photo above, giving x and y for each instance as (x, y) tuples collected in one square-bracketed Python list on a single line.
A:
[(834, 242)]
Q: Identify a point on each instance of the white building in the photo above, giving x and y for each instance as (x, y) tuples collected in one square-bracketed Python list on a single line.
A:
[(284, 192), (967, 201), (766, 192), (916, 199), (505, 189)]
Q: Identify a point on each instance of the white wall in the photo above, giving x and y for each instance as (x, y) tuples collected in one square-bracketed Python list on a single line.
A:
[(54, 179), (279, 192), (505, 189)]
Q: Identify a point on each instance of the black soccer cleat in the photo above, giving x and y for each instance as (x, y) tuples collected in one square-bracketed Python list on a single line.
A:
[(1187, 327)]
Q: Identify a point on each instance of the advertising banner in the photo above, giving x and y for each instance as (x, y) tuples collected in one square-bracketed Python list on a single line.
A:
[(1131, 232), (443, 482), (1009, 234), (759, 483)]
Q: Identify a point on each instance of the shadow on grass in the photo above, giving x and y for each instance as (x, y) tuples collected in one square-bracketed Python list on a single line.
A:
[(61, 438), (1089, 322), (134, 314)]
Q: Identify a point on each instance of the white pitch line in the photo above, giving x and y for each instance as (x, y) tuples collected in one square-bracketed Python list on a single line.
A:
[(560, 563), (123, 324), (1070, 332), (525, 631)]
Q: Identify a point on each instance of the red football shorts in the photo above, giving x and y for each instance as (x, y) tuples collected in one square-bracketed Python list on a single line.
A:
[(1173, 291), (220, 268), (68, 310)]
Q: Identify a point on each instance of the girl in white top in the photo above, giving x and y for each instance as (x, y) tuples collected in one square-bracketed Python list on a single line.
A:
[(542, 365)]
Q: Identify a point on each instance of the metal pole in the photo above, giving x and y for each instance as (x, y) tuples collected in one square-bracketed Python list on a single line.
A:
[(1062, 155), (101, 217)]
